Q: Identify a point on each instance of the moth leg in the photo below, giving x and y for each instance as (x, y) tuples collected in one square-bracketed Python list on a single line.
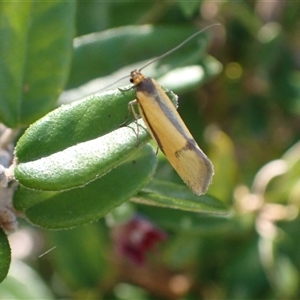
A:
[(131, 110), (126, 90), (157, 149), (136, 117)]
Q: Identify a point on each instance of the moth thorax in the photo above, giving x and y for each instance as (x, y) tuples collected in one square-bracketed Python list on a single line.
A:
[(136, 77)]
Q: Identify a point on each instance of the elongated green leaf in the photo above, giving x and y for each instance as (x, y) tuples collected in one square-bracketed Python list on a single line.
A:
[(166, 194), (90, 256), (102, 53), (89, 203), (5, 255), (179, 72), (224, 160), (189, 77), (82, 163), (35, 52), (187, 221), (75, 123)]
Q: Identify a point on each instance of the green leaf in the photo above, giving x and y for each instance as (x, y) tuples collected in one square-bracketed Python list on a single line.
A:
[(23, 282), (100, 54), (35, 56), (187, 78), (224, 160), (68, 155), (78, 206), (75, 123), (92, 265), (189, 7), (186, 221), (82, 163), (5, 255), (166, 194)]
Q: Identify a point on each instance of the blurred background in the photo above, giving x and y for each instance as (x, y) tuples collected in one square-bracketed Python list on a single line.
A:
[(245, 115)]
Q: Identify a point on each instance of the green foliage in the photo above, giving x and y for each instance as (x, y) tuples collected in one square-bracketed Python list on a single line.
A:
[(76, 164), (30, 284), (66, 209), (34, 58), (5, 255)]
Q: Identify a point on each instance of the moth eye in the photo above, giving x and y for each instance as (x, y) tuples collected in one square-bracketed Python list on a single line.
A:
[(131, 80)]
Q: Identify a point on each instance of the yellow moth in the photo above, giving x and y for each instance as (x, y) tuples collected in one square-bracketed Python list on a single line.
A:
[(169, 131)]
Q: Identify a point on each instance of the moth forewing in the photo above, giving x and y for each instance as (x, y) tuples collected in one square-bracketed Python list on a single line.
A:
[(194, 168), (170, 133)]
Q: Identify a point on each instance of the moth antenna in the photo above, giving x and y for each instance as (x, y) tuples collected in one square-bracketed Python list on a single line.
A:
[(178, 46), (111, 84), (163, 55)]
